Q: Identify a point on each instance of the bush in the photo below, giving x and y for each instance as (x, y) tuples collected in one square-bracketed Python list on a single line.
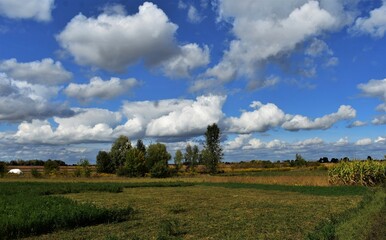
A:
[(51, 166), (366, 173), (3, 169), (35, 173), (160, 170)]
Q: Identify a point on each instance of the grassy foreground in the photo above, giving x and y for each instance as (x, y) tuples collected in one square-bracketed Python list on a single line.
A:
[(205, 210), (202, 207)]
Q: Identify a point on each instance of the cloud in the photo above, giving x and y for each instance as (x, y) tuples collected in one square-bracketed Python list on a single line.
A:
[(259, 28), (45, 72), (190, 119), (380, 120), (22, 101), (261, 119), (193, 15), (98, 88), (357, 124), (87, 125), (191, 56), (376, 89), (39, 10), (374, 24), (363, 142), (299, 122), (342, 142), (318, 47), (115, 41)]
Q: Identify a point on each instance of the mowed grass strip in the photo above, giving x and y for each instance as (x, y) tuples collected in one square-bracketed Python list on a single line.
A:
[(212, 212)]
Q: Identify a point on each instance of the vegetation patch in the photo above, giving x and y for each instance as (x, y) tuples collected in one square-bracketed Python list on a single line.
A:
[(366, 173), (366, 221), (28, 208)]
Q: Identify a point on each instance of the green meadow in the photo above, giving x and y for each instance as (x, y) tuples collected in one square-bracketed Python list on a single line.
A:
[(187, 208)]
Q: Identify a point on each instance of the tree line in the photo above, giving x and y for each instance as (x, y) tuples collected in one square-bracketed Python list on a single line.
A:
[(124, 159)]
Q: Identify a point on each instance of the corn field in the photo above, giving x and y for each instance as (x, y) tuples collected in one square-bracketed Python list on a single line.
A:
[(365, 173)]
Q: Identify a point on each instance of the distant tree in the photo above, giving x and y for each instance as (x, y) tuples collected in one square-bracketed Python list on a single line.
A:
[(212, 153), (178, 159), (51, 166), (135, 164), (104, 163), (119, 150), (345, 159), (334, 160), (85, 168), (299, 160), (140, 146), (369, 158), (188, 154), (323, 160), (195, 156), (157, 158), (3, 169)]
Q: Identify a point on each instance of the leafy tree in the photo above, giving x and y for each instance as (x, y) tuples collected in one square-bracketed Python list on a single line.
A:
[(85, 168), (51, 166), (135, 164), (212, 153), (119, 150), (369, 158), (188, 154), (140, 146), (299, 160), (195, 156), (157, 158), (3, 169), (178, 159), (104, 164)]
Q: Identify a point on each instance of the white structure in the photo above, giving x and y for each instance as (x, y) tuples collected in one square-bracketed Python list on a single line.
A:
[(15, 171)]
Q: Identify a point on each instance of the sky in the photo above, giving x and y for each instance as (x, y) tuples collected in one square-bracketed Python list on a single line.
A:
[(277, 77)]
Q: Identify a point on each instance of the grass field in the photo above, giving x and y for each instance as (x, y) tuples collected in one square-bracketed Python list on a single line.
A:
[(257, 205)]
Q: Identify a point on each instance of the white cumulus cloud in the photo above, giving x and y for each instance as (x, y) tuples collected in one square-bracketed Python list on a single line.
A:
[(22, 101), (264, 117), (363, 142), (98, 88), (40, 10), (46, 71), (374, 24), (266, 29), (376, 89), (114, 41), (191, 56), (299, 122)]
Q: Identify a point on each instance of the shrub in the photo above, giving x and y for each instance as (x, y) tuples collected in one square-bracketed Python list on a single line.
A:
[(35, 173), (3, 169), (160, 170), (51, 166), (366, 173)]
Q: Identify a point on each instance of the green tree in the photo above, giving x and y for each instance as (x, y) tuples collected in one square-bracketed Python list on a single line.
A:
[(178, 159), (195, 156), (157, 158), (104, 164), (119, 150), (51, 166), (135, 164), (140, 146), (299, 160), (212, 153), (85, 168), (188, 154)]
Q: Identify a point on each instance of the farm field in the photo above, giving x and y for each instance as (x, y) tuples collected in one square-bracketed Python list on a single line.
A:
[(206, 207)]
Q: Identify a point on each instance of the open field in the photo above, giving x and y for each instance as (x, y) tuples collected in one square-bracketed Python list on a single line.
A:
[(274, 204)]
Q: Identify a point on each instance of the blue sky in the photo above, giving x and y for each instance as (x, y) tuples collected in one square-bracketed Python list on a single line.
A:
[(278, 77)]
